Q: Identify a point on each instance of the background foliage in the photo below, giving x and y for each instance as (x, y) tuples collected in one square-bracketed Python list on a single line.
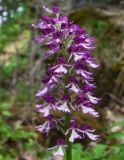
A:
[(21, 69)]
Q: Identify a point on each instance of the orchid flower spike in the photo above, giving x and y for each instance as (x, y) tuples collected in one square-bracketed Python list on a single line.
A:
[(68, 84)]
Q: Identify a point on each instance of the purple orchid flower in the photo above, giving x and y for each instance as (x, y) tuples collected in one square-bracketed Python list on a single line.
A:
[(51, 122), (61, 66), (74, 131), (60, 145), (49, 104), (86, 130), (64, 104), (72, 85)]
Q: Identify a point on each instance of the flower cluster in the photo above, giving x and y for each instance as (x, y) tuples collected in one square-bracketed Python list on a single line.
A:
[(69, 83)]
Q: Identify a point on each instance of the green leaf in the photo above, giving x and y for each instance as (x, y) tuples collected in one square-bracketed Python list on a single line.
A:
[(77, 151), (120, 123), (98, 151), (116, 135), (4, 106), (6, 114), (21, 134), (121, 156)]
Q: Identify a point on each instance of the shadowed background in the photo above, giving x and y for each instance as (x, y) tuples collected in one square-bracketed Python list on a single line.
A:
[(22, 68)]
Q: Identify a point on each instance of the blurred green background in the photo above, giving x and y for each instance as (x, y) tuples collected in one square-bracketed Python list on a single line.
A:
[(21, 70)]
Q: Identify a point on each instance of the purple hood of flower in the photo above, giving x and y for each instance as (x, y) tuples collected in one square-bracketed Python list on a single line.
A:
[(85, 127), (73, 48), (78, 39), (49, 98), (55, 9), (66, 98), (73, 123), (79, 65), (45, 81), (87, 88), (60, 142), (80, 99), (60, 60), (72, 79)]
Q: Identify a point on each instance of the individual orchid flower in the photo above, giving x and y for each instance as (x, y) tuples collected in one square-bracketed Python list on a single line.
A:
[(61, 66), (87, 43), (74, 131), (72, 85), (53, 77), (73, 50), (86, 106), (46, 126), (49, 83), (48, 105), (80, 69), (51, 52), (91, 63), (64, 104), (94, 100), (89, 110), (60, 146), (86, 130), (42, 92)]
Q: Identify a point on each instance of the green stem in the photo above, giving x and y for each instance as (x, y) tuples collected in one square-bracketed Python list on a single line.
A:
[(69, 146), (67, 115), (69, 151)]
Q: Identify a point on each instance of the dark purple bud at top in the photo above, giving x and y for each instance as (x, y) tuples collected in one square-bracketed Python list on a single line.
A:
[(49, 98), (55, 9), (66, 98), (84, 127), (78, 39), (63, 18), (60, 60), (72, 79), (60, 142)]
